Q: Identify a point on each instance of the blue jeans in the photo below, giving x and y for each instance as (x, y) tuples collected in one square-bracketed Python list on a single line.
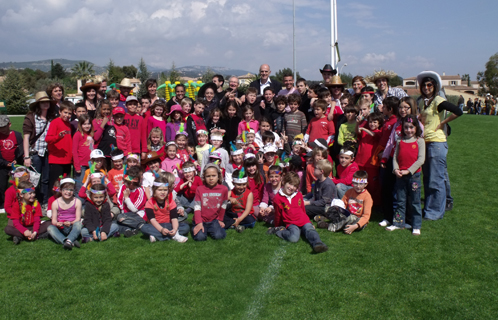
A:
[(41, 165), (59, 235), (212, 229), (186, 204), (408, 191), (435, 174), (150, 230), (78, 177), (293, 233), (341, 190), (129, 220), (112, 231)]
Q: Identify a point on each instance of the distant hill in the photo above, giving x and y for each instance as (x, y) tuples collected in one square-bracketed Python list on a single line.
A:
[(188, 71)]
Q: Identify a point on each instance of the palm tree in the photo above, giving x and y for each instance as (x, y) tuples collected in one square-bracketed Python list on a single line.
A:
[(83, 70)]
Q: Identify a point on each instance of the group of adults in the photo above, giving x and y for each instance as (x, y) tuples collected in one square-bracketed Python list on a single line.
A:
[(487, 107), (432, 108)]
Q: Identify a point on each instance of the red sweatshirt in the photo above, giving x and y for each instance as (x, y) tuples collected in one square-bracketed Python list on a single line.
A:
[(210, 203), (60, 149), (137, 128), (123, 139), (256, 189), (189, 192), (29, 218), (82, 147), (386, 130), (345, 175), (137, 198), (10, 199), (289, 210)]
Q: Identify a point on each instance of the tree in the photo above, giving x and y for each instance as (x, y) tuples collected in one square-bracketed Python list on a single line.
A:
[(83, 70), (466, 78), (174, 75), (488, 79), (12, 91), (347, 79), (279, 75), (143, 74), (58, 71), (130, 71), (115, 73), (396, 81), (207, 76)]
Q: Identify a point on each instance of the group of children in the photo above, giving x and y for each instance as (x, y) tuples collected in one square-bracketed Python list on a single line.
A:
[(145, 170)]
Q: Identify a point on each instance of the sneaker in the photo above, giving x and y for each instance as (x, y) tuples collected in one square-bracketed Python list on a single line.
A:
[(392, 228), (130, 233), (152, 239), (384, 223), (179, 238), (273, 230), (319, 218), (320, 247), (76, 244), (240, 228), (86, 239), (416, 232), (16, 240), (449, 206), (2, 210), (322, 225), (117, 235), (68, 245), (332, 227)]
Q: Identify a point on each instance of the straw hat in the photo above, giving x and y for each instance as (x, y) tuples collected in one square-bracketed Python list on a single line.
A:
[(90, 85), (381, 74), (41, 96), (125, 83), (335, 81)]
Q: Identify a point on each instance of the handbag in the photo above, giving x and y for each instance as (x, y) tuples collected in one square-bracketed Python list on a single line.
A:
[(34, 176)]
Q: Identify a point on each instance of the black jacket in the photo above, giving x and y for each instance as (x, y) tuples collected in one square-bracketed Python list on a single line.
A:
[(274, 84), (95, 218)]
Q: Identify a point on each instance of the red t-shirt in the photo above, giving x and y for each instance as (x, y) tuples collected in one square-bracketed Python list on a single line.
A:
[(366, 147), (320, 128), (8, 145), (240, 206)]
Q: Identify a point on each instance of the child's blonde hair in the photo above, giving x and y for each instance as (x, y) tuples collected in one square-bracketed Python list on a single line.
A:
[(158, 131), (325, 166)]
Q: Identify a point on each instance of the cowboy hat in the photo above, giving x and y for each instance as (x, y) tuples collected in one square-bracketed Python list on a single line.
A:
[(335, 81), (90, 85), (41, 96), (151, 156), (432, 75), (125, 83), (381, 74), (328, 68)]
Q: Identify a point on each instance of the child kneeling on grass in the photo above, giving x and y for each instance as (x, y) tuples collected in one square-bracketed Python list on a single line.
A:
[(289, 211), (358, 206), (98, 224), (210, 203), (162, 212), (24, 219), (66, 216), (240, 215)]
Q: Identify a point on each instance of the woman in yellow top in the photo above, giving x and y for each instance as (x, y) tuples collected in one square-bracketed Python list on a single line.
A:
[(433, 109)]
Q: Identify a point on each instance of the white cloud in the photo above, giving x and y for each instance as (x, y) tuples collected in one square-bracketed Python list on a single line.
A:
[(378, 58)]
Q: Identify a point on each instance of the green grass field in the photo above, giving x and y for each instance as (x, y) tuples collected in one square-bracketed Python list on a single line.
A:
[(449, 272)]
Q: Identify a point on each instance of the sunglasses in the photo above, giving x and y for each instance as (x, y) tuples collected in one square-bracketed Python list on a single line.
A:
[(428, 85)]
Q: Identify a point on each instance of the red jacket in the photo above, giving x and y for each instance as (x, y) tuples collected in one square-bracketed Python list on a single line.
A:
[(137, 127), (123, 139), (30, 218), (60, 149), (289, 210), (189, 192), (345, 175)]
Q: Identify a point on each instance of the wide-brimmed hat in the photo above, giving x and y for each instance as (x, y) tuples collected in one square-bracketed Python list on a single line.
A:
[(151, 156), (90, 85), (125, 83), (328, 68), (430, 74), (335, 81), (381, 74), (41, 96), (178, 108)]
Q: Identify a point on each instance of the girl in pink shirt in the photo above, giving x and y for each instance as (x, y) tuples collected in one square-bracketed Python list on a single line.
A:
[(248, 122), (156, 119)]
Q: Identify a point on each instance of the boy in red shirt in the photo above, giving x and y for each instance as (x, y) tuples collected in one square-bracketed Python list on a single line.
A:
[(185, 190), (11, 151), (289, 211), (345, 172), (123, 139), (60, 144), (135, 124), (320, 126)]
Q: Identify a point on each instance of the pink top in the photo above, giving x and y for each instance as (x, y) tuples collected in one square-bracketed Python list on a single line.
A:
[(153, 122), (66, 214), (253, 124)]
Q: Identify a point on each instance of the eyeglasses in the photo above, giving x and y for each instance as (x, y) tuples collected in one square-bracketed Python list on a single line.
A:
[(427, 85)]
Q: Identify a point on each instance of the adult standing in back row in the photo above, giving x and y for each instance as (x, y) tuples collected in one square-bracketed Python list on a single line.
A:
[(265, 81), (381, 79)]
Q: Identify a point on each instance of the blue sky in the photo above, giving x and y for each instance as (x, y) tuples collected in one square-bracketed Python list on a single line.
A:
[(405, 36)]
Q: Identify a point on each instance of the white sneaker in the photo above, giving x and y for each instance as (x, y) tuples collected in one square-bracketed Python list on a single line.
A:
[(416, 232), (179, 238), (384, 223), (152, 239), (392, 228), (2, 210)]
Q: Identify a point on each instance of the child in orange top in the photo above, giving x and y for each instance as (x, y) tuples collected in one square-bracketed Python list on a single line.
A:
[(240, 215)]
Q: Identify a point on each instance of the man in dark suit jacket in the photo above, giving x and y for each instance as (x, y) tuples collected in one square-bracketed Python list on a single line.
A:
[(265, 81)]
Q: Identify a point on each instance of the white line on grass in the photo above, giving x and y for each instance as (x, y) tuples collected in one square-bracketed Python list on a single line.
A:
[(266, 283)]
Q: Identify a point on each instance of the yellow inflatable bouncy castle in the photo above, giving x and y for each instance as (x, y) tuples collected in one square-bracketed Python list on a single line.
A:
[(191, 89)]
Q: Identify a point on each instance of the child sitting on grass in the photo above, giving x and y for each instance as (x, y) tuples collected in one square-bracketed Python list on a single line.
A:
[(240, 215), (266, 209), (358, 206), (290, 216), (345, 171), (186, 188), (162, 213), (25, 217), (131, 200), (324, 191), (209, 206)]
